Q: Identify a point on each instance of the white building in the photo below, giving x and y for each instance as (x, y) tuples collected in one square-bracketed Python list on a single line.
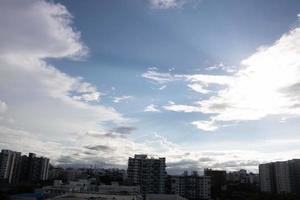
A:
[(9, 165)]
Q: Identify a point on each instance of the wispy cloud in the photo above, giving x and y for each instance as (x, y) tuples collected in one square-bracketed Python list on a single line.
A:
[(167, 4), (158, 77), (173, 4), (151, 108), (122, 98), (172, 106)]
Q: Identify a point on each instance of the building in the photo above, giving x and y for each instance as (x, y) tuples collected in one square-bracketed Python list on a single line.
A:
[(267, 177), (242, 176), (34, 168), (148, 173), (192, 187), (218, 181), (15, 168), (164, 197), (85, 196), (10, 162), (294, 168), (280, 177), (88, 186), (282, 172)]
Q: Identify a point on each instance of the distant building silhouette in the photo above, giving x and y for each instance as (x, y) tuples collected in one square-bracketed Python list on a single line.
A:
[(148, 173), (218, 181)]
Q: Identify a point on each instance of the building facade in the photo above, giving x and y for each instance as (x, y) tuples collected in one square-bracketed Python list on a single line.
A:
[(193, 187), (280, 177), (148, 173), (15, 168), (10, 162)]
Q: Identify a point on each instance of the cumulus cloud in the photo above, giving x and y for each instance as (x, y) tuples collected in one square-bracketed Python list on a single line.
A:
[(52, 26), (265, 84), (151, 108), (47, 105)]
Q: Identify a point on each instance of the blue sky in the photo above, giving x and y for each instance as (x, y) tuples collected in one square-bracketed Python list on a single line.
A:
[(205, 83)]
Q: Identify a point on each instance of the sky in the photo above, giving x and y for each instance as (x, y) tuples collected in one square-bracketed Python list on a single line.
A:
[(204, 83)]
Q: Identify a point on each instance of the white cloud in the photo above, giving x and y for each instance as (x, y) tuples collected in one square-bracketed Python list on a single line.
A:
[(267, 83), (198, 88), (48, 35), (158, 77), (205, 125), (122, 98), (221, 66), (151, 108), (207, 79), (167, 4), (162, 87), (45, 105), (181, 108)]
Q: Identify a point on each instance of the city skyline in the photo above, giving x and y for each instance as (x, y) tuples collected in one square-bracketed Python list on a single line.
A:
[(206, 84)]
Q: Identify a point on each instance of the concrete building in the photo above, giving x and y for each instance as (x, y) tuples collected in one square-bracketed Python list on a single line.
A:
[(15, 168), (88, 186), (280, 177), (34, 169), (267, 177), (242, 176), (283, 184), (148, 173), (10, 162), (192, 187), (294, 169)]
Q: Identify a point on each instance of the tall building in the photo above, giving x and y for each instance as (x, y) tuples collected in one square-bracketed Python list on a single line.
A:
[(148, 173), (267, 177), (283, 184), (15, 168), (218, 181), (192, 187), (10, 166), (294, 169), (280, 177), (34, 168)]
